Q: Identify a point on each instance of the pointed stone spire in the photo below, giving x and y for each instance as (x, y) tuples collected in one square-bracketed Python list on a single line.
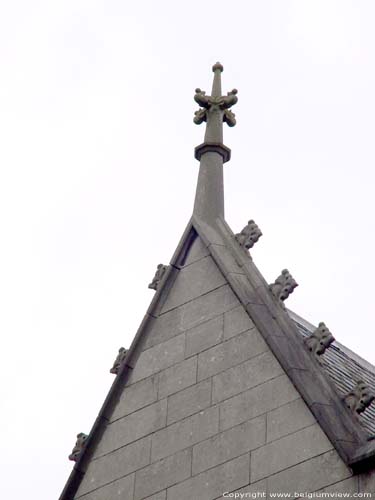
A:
[(215, 109)]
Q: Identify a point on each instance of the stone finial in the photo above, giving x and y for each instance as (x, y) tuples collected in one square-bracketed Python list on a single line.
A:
[(249, 235), (79, 446), (122, 352), (222, 103), (359, 398), (160, 271), (319, 341), (283, 286)]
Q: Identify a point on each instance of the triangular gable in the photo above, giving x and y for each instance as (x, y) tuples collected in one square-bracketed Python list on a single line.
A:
[(224, 277)]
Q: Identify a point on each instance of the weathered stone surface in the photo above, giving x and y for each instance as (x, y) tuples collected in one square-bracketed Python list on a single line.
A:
[(160, 475), (367, 482), (244, 376), (204, 336), (259, 489), (287, 419), (197, 251), (254, 402), (132, 427), (189, 401), (136, 396), (208, 306), (229, 444), (162, 495), (178, 377), (349, 485), (185, 433), (158, 358), (232, 352), (236, 321), (288, 451), (116, 465), (310, 475), (193, 281), (123, 488), (214, 482), (163, 328)]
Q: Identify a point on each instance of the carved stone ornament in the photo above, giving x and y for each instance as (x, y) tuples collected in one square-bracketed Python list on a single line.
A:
[(319, 341), (80, 444), (359, 398), (249, 235), (283, 286), (160, 271), (122, 352), (221, 102)]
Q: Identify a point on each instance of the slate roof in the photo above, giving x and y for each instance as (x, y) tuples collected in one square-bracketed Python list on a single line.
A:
[(345, 367)]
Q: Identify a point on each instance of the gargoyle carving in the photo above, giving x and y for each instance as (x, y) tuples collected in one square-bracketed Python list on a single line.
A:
[(222, 103), (249, 235), (80, 444), (359, 398), (119, 360), (319, 341), (160, 270), (283, 286)]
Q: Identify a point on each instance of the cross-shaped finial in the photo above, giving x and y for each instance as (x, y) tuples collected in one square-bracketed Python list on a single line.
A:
[(215, 109)]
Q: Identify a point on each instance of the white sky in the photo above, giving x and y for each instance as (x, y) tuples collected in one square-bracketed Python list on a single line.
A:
[(98, 180)]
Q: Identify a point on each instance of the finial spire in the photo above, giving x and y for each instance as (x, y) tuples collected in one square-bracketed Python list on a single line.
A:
[(212, 153)]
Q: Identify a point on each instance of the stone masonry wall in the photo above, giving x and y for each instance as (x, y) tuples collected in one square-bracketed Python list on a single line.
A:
[(209, 410)]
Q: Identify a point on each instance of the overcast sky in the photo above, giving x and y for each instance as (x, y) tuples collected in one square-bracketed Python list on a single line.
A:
[(98, 179)]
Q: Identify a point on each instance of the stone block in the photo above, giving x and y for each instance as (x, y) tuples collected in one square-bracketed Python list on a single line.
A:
[(236, 321), (349, 485), (122, 488), (288, 419), (136, 396), (204, 336), (196, 252), (256, 401), (229, 444), (208, 306), (162, 495), (192, 282), (158, 358), (189, 401), (132, 427), (163, 328), (252, 491), (288, 451), (214, 482), (310, 475), (244, 376), (160, 475), (185, 433), (116, 465), (178, 377), (234, 351)]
